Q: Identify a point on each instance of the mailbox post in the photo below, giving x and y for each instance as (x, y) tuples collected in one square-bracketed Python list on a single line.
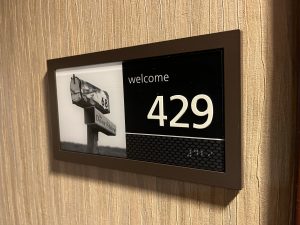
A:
[(95, 103), (92, 140)]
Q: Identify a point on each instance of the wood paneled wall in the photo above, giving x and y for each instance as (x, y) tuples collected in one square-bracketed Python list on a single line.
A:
[(35, 189)]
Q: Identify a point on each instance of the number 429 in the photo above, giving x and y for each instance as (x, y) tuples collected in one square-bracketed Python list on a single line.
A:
[(161, 117)]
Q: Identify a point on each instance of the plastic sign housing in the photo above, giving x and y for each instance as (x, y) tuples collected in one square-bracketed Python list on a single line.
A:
[(170, 109)]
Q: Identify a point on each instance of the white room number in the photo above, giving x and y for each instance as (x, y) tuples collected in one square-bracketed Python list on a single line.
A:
[(161, 117)]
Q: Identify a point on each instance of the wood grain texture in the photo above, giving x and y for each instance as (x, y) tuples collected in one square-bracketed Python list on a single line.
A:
[(34, 189)]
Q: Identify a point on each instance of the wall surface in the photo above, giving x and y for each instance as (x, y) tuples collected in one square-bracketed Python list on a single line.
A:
[(35, 189)]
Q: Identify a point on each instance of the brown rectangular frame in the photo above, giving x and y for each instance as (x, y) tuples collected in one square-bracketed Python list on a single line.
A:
[(230, 42)]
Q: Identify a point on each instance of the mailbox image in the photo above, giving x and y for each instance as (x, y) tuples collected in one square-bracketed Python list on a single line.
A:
[(91, 109), (85, 95)]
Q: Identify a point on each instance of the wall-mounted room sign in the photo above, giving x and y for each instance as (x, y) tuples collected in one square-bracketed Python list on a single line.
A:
[(169, 109)]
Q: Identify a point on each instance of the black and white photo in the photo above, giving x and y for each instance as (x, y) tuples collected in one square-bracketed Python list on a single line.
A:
[(91, 109)]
